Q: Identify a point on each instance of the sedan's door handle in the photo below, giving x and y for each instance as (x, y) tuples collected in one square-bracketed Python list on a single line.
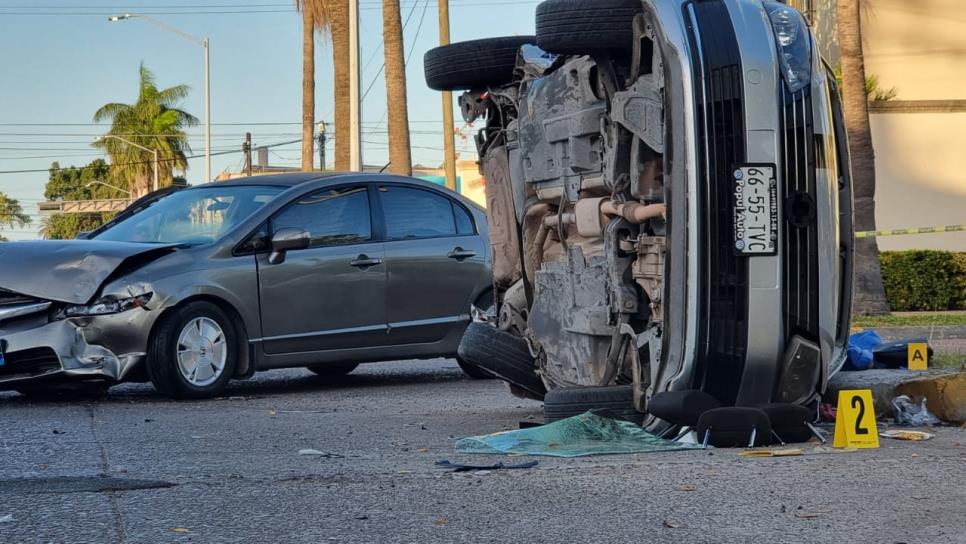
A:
[(363, 262), (460, 254)]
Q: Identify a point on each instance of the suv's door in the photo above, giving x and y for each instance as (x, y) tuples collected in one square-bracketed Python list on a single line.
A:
[(331, 295), (436, 261)]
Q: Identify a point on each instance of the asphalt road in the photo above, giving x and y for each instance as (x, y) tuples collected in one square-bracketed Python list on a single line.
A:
[(228, 470)]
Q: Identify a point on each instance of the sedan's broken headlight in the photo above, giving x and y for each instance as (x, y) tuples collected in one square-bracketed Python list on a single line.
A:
[(794, 44), (107, 305)]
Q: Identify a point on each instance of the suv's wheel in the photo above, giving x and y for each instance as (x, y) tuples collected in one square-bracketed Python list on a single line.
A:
[(474, 64), (332, 370), (565, 402), (193, 352), (502, 354), (474, 371), (576, 27)]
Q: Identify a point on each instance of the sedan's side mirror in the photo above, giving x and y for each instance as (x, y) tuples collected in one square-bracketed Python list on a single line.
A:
[(287, 239), (82, 235)]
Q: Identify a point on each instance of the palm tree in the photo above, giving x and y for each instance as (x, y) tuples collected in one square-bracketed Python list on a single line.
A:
[(11, 214), (869, 293), (400, 161), (315, 16), (330, 16), (339, 28), (153, 121)]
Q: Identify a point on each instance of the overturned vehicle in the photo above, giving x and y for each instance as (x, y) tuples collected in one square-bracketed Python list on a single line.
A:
[(669, 202)]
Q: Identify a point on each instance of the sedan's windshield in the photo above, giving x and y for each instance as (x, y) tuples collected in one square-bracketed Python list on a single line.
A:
[(191, 216)]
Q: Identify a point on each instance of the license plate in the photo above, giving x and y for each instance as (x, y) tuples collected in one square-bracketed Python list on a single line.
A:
[(756, 210)]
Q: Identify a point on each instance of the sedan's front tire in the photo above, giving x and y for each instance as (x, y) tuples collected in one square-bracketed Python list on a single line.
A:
[(193, 352)]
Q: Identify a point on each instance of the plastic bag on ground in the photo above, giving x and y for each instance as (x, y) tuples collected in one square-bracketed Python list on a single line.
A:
[(577, 436), (860, 351), (910, 414)]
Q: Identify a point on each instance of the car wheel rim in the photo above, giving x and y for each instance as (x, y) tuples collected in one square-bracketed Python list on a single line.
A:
[(202, 351)]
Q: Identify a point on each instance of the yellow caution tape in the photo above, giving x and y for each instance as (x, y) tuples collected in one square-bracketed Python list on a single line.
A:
[(903, 232)]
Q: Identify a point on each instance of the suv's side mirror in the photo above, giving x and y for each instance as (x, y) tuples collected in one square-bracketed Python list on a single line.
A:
[(287, 239)]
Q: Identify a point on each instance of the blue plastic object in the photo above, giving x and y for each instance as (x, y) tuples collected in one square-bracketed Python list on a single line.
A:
[(861, 348)]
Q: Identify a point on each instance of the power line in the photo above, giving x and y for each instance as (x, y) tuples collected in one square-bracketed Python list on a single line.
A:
[(134, 163)]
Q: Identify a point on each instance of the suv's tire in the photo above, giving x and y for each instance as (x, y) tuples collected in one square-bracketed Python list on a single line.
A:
[(504, 355), (579, 27), (565, 402), (187, 347), (333, 370), (474, 371), (474, 64)]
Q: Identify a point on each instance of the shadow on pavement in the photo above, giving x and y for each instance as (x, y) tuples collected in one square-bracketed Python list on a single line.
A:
[(274, 383)]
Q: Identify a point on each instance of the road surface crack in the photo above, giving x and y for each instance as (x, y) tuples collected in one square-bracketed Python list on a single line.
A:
[(106, 473)]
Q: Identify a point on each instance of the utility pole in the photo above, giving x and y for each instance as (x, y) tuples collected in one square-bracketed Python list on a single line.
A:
[(322, 146), (449, 146), (247, 147), (355, 104)]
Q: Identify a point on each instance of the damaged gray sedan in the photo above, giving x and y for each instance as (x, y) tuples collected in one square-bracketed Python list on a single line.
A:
[(192, 288)]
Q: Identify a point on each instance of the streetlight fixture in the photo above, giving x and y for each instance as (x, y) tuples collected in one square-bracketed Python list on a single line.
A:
[(203, 42), (139, 146), (115, 187)]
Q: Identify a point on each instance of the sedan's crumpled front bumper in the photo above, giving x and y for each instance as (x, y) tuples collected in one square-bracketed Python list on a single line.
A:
[(39, 347)]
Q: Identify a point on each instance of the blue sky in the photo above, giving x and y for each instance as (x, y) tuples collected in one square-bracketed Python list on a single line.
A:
[(61, 60)]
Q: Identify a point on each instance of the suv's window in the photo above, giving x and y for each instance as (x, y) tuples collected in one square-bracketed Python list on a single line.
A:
[(416, 213), (331, 216)]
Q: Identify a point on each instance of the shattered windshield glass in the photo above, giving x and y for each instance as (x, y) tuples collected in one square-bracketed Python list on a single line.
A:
[(191, 216)]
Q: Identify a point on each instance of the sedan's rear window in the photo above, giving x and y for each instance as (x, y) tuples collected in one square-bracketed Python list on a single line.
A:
[(417, 213)]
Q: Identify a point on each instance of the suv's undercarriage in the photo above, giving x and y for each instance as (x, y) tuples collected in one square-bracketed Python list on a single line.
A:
[(593, 157)]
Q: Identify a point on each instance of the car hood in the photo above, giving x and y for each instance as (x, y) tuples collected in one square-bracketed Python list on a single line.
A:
[(71, 271)]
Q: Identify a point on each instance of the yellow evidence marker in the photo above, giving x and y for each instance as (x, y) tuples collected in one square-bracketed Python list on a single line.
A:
[(855, 420), (918, 356)]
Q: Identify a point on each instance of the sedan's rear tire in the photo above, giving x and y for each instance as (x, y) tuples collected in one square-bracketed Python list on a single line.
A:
[(474, 64), (565, 402), (502, 354), (193, 352), (333, 370), (574, 27)]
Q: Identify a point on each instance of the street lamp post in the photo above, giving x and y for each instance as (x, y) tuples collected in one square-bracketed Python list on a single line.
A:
[(139, 146), (115, 187), (203, 42)]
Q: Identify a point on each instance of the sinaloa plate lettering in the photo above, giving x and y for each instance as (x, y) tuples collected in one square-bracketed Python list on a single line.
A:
[(756, 210)]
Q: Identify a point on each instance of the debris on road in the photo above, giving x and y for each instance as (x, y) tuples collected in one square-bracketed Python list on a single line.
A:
[(7, 518), (911, 414), (326, 454), (787, 452), (670, 525), (182, 530), (915, 436), (457, 467), (577, 436)]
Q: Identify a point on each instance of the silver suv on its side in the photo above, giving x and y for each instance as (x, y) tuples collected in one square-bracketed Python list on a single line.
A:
[(669, 200)]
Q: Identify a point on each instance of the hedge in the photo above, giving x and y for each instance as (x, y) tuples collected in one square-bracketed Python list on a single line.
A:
[(924, 280)]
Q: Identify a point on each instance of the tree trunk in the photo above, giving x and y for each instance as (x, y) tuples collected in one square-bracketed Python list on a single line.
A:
[(400, 161), (869, 293), (308, 87), (339, 26)]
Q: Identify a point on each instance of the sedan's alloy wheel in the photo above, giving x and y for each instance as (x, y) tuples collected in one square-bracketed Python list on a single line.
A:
[(202, 351)]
